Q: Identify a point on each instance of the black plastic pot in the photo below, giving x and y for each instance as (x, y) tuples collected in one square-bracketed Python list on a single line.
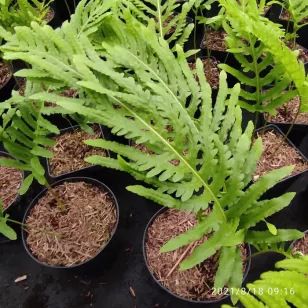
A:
[(284, 184), (220, 301), (73, 173), (54, 22), (103, 255), (298, 132), (274, 13), (6, 90)]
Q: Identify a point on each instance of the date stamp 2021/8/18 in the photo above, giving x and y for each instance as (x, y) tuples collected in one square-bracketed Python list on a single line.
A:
[(254, 291)]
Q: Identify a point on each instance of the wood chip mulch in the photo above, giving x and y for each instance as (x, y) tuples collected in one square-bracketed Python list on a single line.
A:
[(5, 73), (214, 40), (301, 245), (10, 182), (195, 283), (70, 151), (273, 158), (85, 226), (211, 71), (287, 112)]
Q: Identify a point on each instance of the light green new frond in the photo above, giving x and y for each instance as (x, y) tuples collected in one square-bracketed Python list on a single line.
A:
[(278, 289), (266, 237)]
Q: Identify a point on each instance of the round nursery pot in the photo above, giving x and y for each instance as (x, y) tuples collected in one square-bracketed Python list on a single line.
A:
[(210, 301), (6, 89), (285, 183), (106, 251), (87, 169), (13, 209)]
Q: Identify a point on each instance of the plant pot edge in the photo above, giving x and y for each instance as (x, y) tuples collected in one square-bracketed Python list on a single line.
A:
[(43, 192), (159, 212)]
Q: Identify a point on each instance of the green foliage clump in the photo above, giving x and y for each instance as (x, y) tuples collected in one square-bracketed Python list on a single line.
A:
[(130, 81), (278, 288), (257, 45), (170, 17)]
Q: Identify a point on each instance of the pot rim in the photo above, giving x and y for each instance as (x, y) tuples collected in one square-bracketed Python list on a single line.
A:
[(278, 130), (43, 192), (159, 212)]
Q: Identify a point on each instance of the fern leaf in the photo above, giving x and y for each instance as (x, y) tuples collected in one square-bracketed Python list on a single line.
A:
[(264, 209), (259, 237), (226, 266), (205, 226)]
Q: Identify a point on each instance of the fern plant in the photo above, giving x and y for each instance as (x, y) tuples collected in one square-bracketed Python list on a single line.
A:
[(22, 12), (138, 87), (257, 46), (298, 11), (23, 134), (278, 288), (170, 17)]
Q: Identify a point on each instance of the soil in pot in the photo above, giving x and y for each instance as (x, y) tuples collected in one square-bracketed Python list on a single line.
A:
[(214, 40), (287, 112), (10, 182), (5, 73), (211, 71), (85, 226), (70, 151), (301, 245), (194, 284), (274, 158), (286, 16)]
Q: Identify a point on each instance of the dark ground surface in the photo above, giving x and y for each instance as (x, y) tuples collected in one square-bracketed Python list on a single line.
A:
[(108, 283)]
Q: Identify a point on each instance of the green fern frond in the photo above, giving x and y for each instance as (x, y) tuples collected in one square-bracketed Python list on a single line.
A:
[(170, 17), (23, 134), (278, 288), (257, 45), (298, 11)]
